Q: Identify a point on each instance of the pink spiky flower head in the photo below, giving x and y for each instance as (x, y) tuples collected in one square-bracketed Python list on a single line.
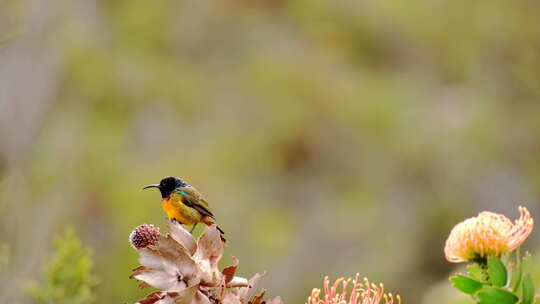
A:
[(488, 234), (143, 236), (363, 292)]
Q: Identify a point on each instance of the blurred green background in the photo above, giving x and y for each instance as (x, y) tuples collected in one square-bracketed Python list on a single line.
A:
[(330, 137)]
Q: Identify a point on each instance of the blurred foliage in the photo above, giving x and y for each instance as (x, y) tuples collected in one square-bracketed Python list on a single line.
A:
[(68, 277), (4, 255), (330, 137), (10, 11)]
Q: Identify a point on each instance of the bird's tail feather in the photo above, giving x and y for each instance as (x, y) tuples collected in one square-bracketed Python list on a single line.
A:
[(223, 239)]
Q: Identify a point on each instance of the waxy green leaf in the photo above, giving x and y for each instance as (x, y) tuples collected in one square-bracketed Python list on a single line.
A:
[(517, 273), (493, 295), (498, 275), (466, 284), (528, 290)]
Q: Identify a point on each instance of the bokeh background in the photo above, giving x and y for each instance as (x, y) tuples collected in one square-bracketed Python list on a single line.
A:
[(330, 137)]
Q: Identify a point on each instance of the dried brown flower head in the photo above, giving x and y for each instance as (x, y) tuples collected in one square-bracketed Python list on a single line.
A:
[(186, 270)]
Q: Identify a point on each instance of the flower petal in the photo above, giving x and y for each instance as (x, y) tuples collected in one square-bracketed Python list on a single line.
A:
[(200, 298), (168, 255), (173, 251), (167, 299), (207, 256), (209, 276), (244, 291), (231, 298), (161, 280), (182, 236), (187, 295), (237, 282), (209, 246), (159, 297), (229, 271), (521, 229), (258, 299), (151, 298), (150, 257)]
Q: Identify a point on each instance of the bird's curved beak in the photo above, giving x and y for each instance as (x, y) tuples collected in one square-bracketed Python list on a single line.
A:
[(151, 186)]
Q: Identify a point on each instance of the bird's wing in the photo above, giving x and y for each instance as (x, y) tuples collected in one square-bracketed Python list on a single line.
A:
[(192, 198)]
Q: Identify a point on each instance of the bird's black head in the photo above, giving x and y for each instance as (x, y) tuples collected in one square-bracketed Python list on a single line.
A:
[(167, 185)]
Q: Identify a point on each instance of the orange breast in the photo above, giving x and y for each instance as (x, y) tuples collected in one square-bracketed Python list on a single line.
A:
[(175, 209)]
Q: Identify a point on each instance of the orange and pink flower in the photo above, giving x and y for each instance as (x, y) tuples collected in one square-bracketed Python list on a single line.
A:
[(363, 292), (488, 234)]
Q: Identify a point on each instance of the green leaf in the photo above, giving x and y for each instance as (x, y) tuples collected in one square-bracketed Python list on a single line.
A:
[(4, 255), (466, 284), (477, 272), (528, 290), (522, 264), (492, 295), (498, 274), (517, 272), (516, 278)]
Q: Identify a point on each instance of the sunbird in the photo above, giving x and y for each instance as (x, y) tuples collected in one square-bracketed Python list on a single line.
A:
[(183, 203)]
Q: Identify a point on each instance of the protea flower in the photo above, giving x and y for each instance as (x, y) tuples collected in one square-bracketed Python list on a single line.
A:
[(185, 270), (363, 292), (488, 234)]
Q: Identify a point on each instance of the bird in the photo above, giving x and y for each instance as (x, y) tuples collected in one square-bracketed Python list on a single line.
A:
[(183, 203)]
